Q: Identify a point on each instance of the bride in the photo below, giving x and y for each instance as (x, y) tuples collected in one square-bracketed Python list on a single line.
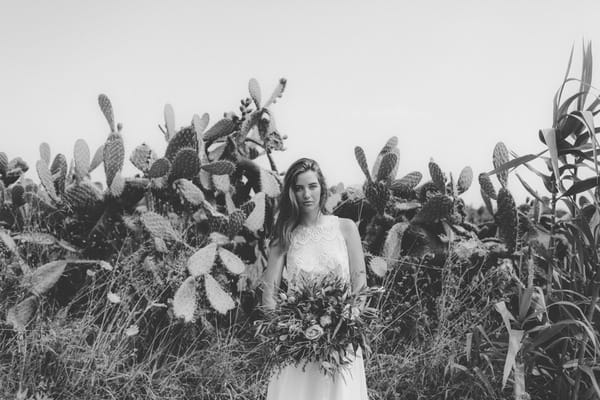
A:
[(310, 243)]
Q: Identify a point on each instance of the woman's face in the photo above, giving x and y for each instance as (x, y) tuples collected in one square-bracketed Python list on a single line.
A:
[(307, 191)]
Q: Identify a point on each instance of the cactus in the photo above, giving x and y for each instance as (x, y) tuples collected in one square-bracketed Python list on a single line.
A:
[(186, 164), (160, 168), (500, 157), (221, 128), (81, 153), (437, 176), (113, 156), (82, 197), (107, 110), (3, 164), (46, 179), (219, 167), (435, 209), (188, 191), (361, 158), (184, 300), (169, 115), (507, 219), (254, 89), (218, 298), (389, 163), (45, 153), (58, 169), (464, 180), (143, 157), (17, 195), (185, 138)]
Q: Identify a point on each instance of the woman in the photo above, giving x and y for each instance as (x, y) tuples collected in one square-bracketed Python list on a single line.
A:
[(312, 243)]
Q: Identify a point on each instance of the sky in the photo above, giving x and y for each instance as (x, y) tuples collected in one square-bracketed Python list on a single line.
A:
[(449, 79)]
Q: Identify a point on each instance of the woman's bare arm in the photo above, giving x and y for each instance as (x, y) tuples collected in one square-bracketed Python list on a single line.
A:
[(272, 275), (358, 274)]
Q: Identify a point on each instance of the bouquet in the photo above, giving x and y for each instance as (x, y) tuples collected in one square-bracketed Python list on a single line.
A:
[(320, 320)]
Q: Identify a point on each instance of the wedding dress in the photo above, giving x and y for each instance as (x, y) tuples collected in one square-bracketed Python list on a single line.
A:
[(314, 251)]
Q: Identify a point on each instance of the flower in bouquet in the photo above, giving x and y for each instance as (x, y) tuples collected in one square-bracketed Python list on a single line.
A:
[(313, 332), (325, 321)]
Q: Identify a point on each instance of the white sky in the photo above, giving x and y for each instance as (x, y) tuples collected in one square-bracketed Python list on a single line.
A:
[(449, 78)]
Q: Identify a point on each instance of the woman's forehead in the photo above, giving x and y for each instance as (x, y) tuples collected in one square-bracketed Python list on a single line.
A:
[(306, 178)]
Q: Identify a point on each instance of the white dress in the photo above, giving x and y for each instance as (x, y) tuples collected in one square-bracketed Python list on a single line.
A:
[(314, 251)]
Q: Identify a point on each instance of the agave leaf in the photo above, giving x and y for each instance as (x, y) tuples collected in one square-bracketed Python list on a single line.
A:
[(550, 139), (218, 298), (107, 110), (505, 314), (379, 266), (169, 114), (277, 93), (582, 186), (514, 345), (254, 89), (21, 314), (45, 277), (45, 152), (184, 300), (232, 262), (202, 261)]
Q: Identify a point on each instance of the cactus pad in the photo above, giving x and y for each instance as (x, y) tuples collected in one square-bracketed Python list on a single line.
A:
[(254, 89), (222, 167), (188, 191), (184, 300), (361, 158), (437, 176), (186, 164), (411, 179), (81, 157), (427, 190), (3, 163), (436, 208), (82, 197), (379, 266), (169, 114), (17, 195), (377, 194), (235, 223), (217, 297), (486, 186), (113, 156), (143, 157), (160, 168), (200, 124), (98, 158), (389, 163), (269, 184), (464, 180), (59, 170), (46, 179), (218, 223), (221, 128), (107, 110), (185, 138), (202, 261), (277, 92), (159, 226), (45, 153), (500, 157), (256, 216), (222, 183), (232, 262), (507, 219)]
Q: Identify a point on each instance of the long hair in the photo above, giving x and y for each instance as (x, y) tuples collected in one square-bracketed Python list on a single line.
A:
[(289, 211)]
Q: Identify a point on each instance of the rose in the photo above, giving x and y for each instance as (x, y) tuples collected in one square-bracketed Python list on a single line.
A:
[(325, 321), (313, 332)]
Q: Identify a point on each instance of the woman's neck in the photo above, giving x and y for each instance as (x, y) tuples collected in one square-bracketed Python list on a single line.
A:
[(310, 219)]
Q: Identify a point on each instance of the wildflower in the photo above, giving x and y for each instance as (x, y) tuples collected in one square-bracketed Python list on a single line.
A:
[(314, 332)]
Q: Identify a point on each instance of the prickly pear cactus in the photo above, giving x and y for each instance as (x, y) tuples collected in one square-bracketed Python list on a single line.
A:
[(507, 219)]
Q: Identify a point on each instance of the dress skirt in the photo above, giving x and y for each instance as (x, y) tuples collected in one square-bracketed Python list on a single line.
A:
[(293, 383)]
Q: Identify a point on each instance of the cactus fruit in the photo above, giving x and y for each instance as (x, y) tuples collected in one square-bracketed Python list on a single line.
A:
[(202, 261), (185, 138), (218, 298), (143, 157), (222, 167), (113, 156), (186, 164), (184, 300), (81, 153), (464, 180), (46, 179), (361, 158), (221, 128), (254, 89), (107, 110), (506, 219), (45, 153), (486, 186), (500, 157), (159, 169), (435, 209), (437, 176)]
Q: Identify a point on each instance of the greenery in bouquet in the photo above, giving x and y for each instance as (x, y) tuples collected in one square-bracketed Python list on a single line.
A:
[(317, 320)]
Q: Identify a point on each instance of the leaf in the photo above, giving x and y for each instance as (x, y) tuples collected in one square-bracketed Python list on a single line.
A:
[(201, 262), (379, 266), (45, 277), (184, 300), (218, 298), (582, 186), (254, 89), (21, 314), (514, 345), (232, 262), (590, 373), (550, 139), (506, 315)]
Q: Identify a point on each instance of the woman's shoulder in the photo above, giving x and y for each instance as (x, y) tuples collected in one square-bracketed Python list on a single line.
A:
[(347, 226)]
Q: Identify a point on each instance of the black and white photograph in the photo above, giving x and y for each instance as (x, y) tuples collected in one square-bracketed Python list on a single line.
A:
[(318, 200)]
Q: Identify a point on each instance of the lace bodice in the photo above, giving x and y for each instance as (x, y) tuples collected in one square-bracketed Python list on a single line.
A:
[(317, 250)]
